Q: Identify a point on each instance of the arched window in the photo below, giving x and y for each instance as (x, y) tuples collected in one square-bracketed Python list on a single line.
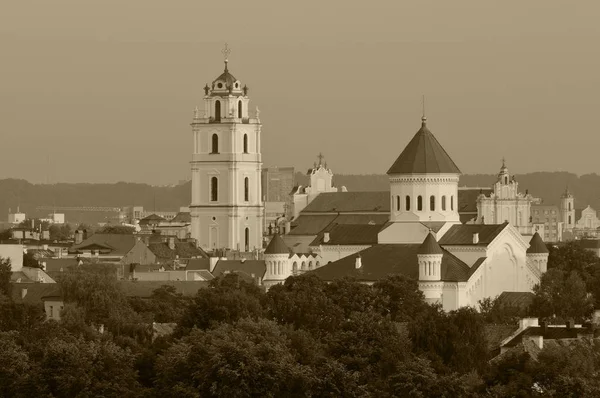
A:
[(303, 265), (444, 203), (215, 143), (310, 265), (569, 206), (295, 268), (452, 202), (506, 179), (246, 188), (398, 203), (217, 111), (245, 143), (432, 203), (247, 239), (407, 203), (214, 189), (420, 203), (569, 220), (240, 109), (317, 265)]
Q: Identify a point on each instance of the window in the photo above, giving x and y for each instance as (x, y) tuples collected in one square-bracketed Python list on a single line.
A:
[(407, 203), (247, 239), (239, 106), (215, 143), (420, 203), (432, 203), (569, 206), (214, 189), (569, 219), (246, 195), (245, 143), (218, 110), (452, 202), (444, 203), (295, 268), (398, 203)]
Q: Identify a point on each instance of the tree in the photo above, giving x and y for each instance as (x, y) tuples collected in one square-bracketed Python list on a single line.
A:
[(117, 230), (227, 299), (350, 295), (30, 261), (60, 232), (16, 368), (5, 235), (562, 295), (399, 297), (5, 275), (493, 311)]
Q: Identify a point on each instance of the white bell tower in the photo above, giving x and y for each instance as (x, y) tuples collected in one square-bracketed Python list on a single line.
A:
[(227, 208)]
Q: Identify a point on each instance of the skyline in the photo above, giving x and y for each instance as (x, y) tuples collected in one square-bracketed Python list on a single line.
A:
[(108, 90)]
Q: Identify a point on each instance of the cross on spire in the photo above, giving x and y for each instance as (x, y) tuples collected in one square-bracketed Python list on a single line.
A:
[(423, 117), (320, 158), (226, 51), (503, 162)]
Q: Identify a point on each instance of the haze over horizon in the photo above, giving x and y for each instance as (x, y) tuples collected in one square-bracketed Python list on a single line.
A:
[(104, 91)]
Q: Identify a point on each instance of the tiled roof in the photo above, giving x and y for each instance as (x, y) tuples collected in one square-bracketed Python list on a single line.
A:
[(247, 267), (198, 264), (298, 243), (314, 224), (277, 246), (349, 234), (424, 155), (20, 277), (205, 274), (430, 246), (348, 202), (182, 217), (182, 250), (463, 234), (467, 198), (381, 260), (537, 245), (496, 334), (58, 264), (119, 244), (35, 292), (520, 300), (144, 289)]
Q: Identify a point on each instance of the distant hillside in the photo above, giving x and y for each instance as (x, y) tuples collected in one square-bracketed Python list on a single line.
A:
[(548, 186)]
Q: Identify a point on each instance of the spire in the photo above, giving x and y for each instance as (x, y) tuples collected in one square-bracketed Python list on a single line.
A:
[(430, 245), (423, 117), (226, 51), (320, 157)]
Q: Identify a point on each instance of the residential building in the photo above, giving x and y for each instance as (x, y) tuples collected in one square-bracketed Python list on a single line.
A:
[(14, 252), (546, 219), (16, 218), (227, 207), (47, 295), (121, 248)]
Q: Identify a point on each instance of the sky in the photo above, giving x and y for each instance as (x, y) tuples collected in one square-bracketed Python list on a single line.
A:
[(104, 90)]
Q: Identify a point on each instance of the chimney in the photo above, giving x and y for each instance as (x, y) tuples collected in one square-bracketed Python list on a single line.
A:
[(476, 238), (326, 237), (358, 262), (23, 292), (78, 237), (288, 227), (172, 243)]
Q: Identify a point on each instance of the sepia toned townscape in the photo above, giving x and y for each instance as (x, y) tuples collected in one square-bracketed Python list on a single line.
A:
[(326, 201)]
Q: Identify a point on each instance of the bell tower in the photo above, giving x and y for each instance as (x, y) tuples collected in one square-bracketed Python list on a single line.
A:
[(567, 210), (227, 208)]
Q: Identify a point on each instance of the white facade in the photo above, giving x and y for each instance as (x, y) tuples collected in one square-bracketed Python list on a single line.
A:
[(16, 218), (506, 203), (15, 254), (321, 181), (282, 265), (227, 208)]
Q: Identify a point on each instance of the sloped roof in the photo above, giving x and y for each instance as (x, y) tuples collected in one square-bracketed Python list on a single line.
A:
[(430, 246), (349, 234), (537, 245), (379, 261), (35, 292), (144, 289), (314, 224), (463, 234), (277, 246), (424, 155), (182, 217), (496, 334), (152, 219), (467, 198), (198, 264), (298, 243), (520, 300), (247, 267), (182, 250), (348, 202), (119, 244), (58, 264)]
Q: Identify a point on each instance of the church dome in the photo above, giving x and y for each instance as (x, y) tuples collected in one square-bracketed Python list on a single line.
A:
[(277, 246), (537, 245), (424, 155), (430, 246)]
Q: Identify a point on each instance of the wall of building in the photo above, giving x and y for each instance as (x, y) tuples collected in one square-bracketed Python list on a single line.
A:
[(15, 254)]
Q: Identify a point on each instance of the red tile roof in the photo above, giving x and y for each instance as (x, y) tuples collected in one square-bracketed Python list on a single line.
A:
[(424, 155)]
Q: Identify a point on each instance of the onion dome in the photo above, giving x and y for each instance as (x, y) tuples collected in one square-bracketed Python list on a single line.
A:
[(537, 245), (424, 155), (430, 246)]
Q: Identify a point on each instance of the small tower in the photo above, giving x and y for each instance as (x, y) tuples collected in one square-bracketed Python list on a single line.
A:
[(567, 210), (430, 259), (537, 253), (277, 261)]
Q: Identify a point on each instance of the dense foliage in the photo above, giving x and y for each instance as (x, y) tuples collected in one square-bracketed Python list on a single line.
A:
[(304, 338)]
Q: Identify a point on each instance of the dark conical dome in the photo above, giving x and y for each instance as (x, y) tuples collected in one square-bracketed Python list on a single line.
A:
[(277, 246), (537, 245), (430, 246), (424, 155)]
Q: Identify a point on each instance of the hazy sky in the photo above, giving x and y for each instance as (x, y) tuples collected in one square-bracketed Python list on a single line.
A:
[(106, 88)]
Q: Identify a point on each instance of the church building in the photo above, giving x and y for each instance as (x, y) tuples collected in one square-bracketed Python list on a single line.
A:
[(455, 264), (227, 207)]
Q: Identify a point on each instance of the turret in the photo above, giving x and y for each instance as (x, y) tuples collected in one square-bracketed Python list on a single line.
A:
[(430, 259), (277, 261), (537, 253)]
